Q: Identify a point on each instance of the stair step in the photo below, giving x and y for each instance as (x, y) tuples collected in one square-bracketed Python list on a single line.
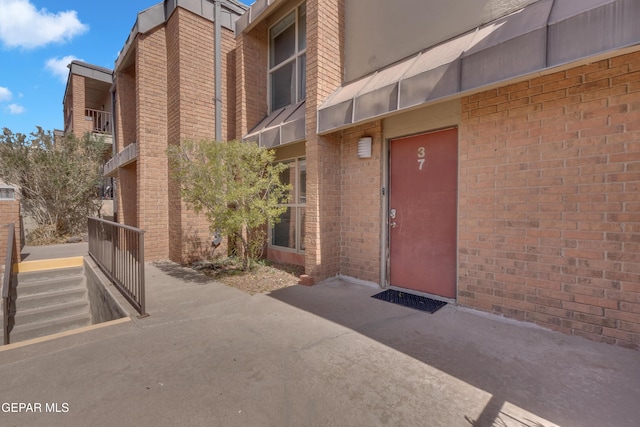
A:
[(48, 285), (50, 301), (56, 273), (52, 312), (58, 296), (49, 327)]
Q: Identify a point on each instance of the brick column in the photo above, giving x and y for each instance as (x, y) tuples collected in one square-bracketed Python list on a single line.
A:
[(325, 38), (152, 180), (9, 213), (191, 116), (80, 125), (125, 129), (251, 78)]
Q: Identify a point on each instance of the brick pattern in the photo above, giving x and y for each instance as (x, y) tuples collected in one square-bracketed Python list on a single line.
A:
[(325, 33), (191, 114), (125, 130), (126, 107), (251, 58), (151, 120), (80, 125), (127, 193), (9, 212), (361, 226), (549, 227), (165, 97)]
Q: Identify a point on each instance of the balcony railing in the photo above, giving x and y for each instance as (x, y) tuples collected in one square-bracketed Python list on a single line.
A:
[(101, 121)]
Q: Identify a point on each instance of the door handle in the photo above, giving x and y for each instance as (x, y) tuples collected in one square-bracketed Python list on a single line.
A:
[(393, 224), (392, 214)]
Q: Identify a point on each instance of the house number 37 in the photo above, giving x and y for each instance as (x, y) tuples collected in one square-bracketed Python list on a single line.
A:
[(421, 158)]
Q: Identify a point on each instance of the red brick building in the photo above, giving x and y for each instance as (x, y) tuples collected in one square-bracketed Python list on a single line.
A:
[(489, 158), (164, 93), (484, 153)]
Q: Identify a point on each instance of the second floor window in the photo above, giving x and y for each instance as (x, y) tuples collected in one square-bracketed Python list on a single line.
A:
[(287, 59)]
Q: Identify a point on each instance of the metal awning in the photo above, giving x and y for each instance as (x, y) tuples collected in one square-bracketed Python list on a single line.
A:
[(283, 126), (543, 35)]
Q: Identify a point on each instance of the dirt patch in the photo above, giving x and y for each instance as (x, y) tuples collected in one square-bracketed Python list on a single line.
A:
[(264, 277)]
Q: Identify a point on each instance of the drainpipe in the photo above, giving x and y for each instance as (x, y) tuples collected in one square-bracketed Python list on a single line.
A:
[(217, 66)]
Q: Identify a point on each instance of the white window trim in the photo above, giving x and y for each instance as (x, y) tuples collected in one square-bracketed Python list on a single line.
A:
[(7, 189)]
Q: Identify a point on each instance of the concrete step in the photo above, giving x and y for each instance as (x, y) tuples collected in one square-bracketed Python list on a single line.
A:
[(49, 327), (52, 312), (56, 273), (56, 296), (52, 284), (50, 301)]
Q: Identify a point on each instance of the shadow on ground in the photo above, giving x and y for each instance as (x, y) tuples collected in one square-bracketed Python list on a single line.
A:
[(564, 379), (184, 274)]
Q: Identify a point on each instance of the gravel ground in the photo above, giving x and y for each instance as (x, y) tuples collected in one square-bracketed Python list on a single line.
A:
[(263, 278)]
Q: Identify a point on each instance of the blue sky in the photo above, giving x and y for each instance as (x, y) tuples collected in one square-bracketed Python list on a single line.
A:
[(38, 38)]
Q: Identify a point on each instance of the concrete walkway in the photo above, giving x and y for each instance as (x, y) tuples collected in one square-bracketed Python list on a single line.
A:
[(63, 250), (210, 355)]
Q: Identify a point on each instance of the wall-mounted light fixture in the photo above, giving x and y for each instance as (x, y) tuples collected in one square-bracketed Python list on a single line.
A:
[(364, 147)]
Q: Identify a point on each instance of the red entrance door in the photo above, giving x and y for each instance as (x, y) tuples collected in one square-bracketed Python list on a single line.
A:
[(423, 208)]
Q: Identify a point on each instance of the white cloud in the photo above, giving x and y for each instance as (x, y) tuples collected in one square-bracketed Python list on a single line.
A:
[(15, 109), (5, 94), (22, 25), (58, 66)]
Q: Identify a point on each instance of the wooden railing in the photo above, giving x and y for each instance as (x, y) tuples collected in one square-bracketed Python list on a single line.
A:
[(118, 250), (101, 120)]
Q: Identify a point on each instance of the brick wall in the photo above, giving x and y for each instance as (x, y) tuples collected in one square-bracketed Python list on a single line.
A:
[(549, 227), (251, 53), (126, 107), (361, 204), (325, 31), (125, 129), (191, 115), (9, 213), (80, 125), (128, 195), (151, 86)]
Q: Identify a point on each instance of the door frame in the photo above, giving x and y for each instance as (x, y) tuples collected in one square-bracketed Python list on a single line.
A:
[(385, 279)]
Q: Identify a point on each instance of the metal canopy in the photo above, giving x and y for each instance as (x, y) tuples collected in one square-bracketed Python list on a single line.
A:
[(543, 35), (283, 126)]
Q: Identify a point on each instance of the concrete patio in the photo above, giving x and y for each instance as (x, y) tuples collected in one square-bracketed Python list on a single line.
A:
[(314, 356)]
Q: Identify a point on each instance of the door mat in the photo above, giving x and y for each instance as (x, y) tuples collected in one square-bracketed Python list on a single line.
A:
[(409, 300)]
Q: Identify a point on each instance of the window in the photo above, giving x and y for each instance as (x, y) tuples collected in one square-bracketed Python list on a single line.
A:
[(7, 193), (289, 232), (287, 59)]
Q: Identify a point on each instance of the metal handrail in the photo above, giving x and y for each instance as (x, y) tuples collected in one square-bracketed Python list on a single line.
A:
[(6, 282), (118, 250)]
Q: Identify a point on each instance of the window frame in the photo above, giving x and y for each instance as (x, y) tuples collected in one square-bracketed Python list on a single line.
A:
[(7, 192), (297, 59), (297, 205)]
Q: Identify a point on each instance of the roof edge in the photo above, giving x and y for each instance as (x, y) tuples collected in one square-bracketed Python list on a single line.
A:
[(160, 13)]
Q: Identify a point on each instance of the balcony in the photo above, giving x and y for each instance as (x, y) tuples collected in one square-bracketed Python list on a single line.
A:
[(101, 124), (123, 158)]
